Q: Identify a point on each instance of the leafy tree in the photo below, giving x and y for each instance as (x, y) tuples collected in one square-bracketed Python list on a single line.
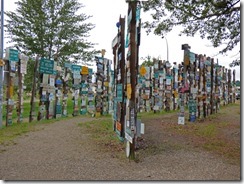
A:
[(28, 79), (216, 20), (51, 29), (147, 61)]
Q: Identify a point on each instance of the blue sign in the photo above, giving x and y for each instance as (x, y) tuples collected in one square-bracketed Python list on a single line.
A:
[(58, 82)]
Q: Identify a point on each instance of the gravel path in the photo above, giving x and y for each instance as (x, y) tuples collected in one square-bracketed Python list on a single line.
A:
[(63, 151)]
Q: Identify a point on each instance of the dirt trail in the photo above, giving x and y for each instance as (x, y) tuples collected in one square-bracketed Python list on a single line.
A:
[(65, 151)]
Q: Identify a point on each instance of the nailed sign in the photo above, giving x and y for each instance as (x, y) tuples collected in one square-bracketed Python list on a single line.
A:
[(46, 66)]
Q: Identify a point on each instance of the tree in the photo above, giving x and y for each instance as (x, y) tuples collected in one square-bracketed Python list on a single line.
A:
[(28, 80), (51, 29), (216, 20), (147, 61)]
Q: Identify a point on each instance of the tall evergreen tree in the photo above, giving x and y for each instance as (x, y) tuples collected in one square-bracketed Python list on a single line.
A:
[(51, 29), (216, 20)]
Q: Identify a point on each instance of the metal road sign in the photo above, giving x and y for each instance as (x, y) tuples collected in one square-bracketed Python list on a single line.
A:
[(13, 55), (46, 66)]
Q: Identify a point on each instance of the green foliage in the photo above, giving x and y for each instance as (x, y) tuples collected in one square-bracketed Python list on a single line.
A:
[(28, 80), (147, 61), (218, 21), (238, 83), (51, 29)]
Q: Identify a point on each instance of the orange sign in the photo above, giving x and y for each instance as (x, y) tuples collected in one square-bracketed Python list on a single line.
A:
[(143, 70), (84, 70), (118, 126)]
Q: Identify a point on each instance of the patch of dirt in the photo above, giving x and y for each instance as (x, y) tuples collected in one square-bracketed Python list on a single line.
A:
[(218, 134), (64, 150)]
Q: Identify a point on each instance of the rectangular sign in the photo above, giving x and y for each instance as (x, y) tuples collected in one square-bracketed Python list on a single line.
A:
[(46, 66), (13, 55)]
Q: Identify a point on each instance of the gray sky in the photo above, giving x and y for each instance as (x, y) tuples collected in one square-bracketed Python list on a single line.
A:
[(106, 14)]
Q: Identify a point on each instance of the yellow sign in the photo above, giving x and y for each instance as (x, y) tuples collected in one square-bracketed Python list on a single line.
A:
[(84, 70), (143, 70), (175, 94), (106, 84), (128, 91), (98, 114), (2, 63), (11, 91)]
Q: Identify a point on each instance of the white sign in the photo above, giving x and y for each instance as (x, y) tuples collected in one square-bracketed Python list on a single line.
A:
[(23, 67), (181, 120), (142, 128), (128, 137)]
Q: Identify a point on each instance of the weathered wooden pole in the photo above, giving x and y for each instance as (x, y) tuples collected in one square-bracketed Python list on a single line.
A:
[(234, 86), (133, 71), (204, 89), (212, 91), (33, 92)]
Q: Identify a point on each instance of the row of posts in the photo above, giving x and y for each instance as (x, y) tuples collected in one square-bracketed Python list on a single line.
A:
[(198, 83)]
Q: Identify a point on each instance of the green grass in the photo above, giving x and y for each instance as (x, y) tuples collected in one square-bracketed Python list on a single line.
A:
[(8, 134), (101, 129), (102, 133), (26, 110), (151, 113), (207, 131)]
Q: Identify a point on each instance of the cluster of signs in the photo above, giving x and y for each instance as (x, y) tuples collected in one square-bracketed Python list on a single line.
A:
[(103, 99), (200, 84), (55, 88), (15, 70), (126, 123)]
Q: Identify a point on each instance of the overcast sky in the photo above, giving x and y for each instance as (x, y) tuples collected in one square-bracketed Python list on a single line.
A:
[(106, 14)]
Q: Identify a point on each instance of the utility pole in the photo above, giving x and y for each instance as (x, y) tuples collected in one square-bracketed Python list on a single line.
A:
[(1, 62), (167, 47)]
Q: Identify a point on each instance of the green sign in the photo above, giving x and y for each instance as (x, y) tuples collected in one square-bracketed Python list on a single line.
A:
[(58, 109), (68, 65), (13, 55), (76, 68), (90, 71), (192, 106), (119, 92), (46, 66)]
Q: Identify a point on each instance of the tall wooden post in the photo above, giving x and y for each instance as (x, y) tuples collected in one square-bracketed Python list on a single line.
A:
[(234, 86), (200, 97), (229, 87), (21, 70), (204, 89), (33, 92), (65, 89), (186, 63), (212, 89), (133, 70), (216, 88)]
